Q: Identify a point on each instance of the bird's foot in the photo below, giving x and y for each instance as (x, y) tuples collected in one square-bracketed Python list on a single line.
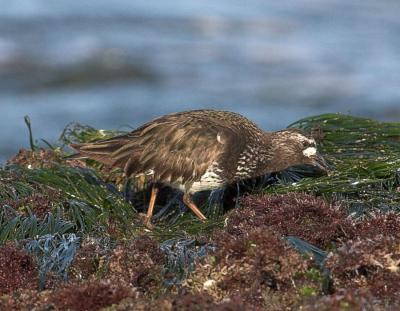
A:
[(146, 221)]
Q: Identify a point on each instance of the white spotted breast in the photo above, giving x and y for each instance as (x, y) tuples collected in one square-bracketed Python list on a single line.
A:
[(210, 180)]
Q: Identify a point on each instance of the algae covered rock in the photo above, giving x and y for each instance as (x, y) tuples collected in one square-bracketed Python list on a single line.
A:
[(256, 267), (291, 243), (311, 218), (371, 264), (17, 269)]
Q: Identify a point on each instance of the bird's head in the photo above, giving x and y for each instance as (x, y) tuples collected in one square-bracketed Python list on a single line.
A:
[(292, 147)]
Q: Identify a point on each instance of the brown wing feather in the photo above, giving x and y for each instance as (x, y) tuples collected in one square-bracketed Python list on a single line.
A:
[(101, 150), (178, 146), (175, 150)]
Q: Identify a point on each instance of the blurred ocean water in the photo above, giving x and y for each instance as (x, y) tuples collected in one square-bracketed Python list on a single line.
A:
[(123, 62)]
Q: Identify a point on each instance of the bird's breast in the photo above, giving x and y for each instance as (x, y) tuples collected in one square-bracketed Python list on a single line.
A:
[(246, 164), (210, 180)]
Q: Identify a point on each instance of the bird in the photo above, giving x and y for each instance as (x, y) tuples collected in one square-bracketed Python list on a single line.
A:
[(201, 150)]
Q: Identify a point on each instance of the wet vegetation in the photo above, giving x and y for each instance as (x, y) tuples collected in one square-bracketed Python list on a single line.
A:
[(71, 235)]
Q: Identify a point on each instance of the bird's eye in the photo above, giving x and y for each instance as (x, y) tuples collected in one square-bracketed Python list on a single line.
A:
[(310, 144)]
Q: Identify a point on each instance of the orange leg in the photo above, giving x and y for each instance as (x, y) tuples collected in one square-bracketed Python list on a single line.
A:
[(147, 220), (189, 202)]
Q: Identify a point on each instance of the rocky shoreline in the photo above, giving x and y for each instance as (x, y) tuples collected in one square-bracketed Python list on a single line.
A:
[(71, 236)]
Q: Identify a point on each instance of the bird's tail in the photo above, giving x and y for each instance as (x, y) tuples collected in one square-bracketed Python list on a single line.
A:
[(101, 151)]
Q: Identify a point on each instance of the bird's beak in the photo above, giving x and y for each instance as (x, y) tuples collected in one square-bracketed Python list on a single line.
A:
[(319, 162)]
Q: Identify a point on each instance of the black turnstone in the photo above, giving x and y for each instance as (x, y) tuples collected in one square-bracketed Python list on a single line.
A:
[(202, 150)]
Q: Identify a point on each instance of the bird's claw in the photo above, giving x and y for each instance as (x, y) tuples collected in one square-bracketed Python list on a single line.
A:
[(146, 221)]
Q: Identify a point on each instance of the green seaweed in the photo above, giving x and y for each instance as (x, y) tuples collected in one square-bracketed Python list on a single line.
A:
[(87, 198), (365, 178), (77, 133), (348, 136), (12, 187), (54, 253), (365, 157), (29, 126), (90, 200), (181, 256), (17, 227), (307, 291)]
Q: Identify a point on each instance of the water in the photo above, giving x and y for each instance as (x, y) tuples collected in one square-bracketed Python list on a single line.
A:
[(123, 62)]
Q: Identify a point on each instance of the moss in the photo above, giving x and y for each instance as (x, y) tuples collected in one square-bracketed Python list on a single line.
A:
[(256, 266), (42, 158), (183, 302), (90, 260), (302, 215), (369, 263), (314, 274), (344, 300), (92, 295), (139, 263), (308, 291), (386, 224), (17, 269), (205, 302), (39, 204)]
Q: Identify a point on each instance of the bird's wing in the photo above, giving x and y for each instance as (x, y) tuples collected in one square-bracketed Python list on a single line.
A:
[(100, 150), (177, 148), (172, 146)]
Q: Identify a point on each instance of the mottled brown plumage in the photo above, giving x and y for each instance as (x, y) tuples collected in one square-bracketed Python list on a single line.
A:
[(201, 150)]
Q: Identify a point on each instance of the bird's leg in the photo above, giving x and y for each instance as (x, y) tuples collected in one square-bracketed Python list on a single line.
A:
[(189, 202), (147, 220)]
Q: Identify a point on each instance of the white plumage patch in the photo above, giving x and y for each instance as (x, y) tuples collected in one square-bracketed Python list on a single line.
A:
[(219, 139), (310, 151), (302, 138), (207, 182), (147, 173), (210, 180)]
